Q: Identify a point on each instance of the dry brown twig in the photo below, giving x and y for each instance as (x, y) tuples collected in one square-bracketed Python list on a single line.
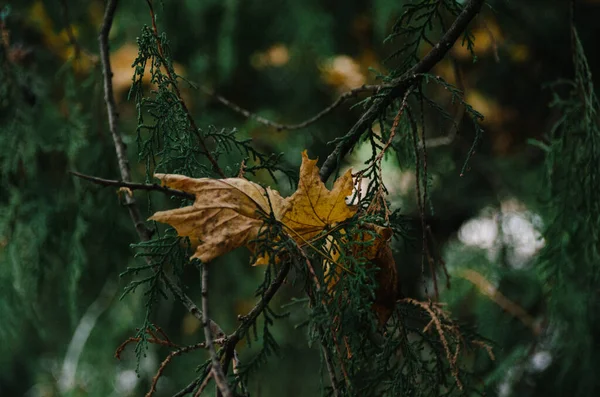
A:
[(216, 370), (486, 288), (168, 359), (434, 312), (203, 385), (281, 127)]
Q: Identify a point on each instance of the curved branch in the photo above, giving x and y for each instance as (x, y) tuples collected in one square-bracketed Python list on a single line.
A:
[(280, 127), (399, 86)]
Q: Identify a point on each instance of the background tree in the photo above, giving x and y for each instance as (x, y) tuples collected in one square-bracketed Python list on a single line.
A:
[(480, 156)]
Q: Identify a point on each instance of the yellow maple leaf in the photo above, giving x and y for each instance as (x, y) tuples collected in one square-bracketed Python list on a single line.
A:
[(313, 206), (227, 212)]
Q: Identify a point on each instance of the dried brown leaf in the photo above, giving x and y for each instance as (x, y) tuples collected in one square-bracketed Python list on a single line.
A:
[(225, 214)]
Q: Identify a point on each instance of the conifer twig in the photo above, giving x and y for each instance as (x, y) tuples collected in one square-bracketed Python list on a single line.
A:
[(190, 119), (134, 186), (398, 86), (279, 126), (249, 318), (215, 369), (142, 230)]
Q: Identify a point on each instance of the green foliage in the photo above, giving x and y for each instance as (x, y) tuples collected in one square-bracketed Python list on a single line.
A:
[(64, 241), (570, 265)]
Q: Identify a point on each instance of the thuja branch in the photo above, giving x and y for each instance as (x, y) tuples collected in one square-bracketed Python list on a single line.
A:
[(280, 127), (398, 87), (188, 115), (142, 230), (134, 186), (251, 317)]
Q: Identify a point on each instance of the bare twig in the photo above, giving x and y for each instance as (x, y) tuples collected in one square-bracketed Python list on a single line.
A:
[(280, 127), (399, 86), (203, 385), (189, 388), (216, 369), (191, 120), (166, 362), (111, 108), (435, 313), (331, 371), (162, 340), (134, 186), (488, 289)]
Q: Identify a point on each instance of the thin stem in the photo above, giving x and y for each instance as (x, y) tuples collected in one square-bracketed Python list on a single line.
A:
[(134, 186), (280, 127), (216, 370)]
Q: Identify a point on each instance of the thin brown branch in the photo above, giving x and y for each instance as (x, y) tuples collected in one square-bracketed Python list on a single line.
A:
[(279, 126), (111, 107), (322, 331), (331, 371), (187, 112), (430, 259), (398, 87), (486, 288), (203, 385), (435, 319), (216, 369), (166, 362), (189, 388), (134, 186)]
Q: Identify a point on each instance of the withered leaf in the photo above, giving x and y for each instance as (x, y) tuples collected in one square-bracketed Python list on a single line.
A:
[(376, 253), (225, 214)]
